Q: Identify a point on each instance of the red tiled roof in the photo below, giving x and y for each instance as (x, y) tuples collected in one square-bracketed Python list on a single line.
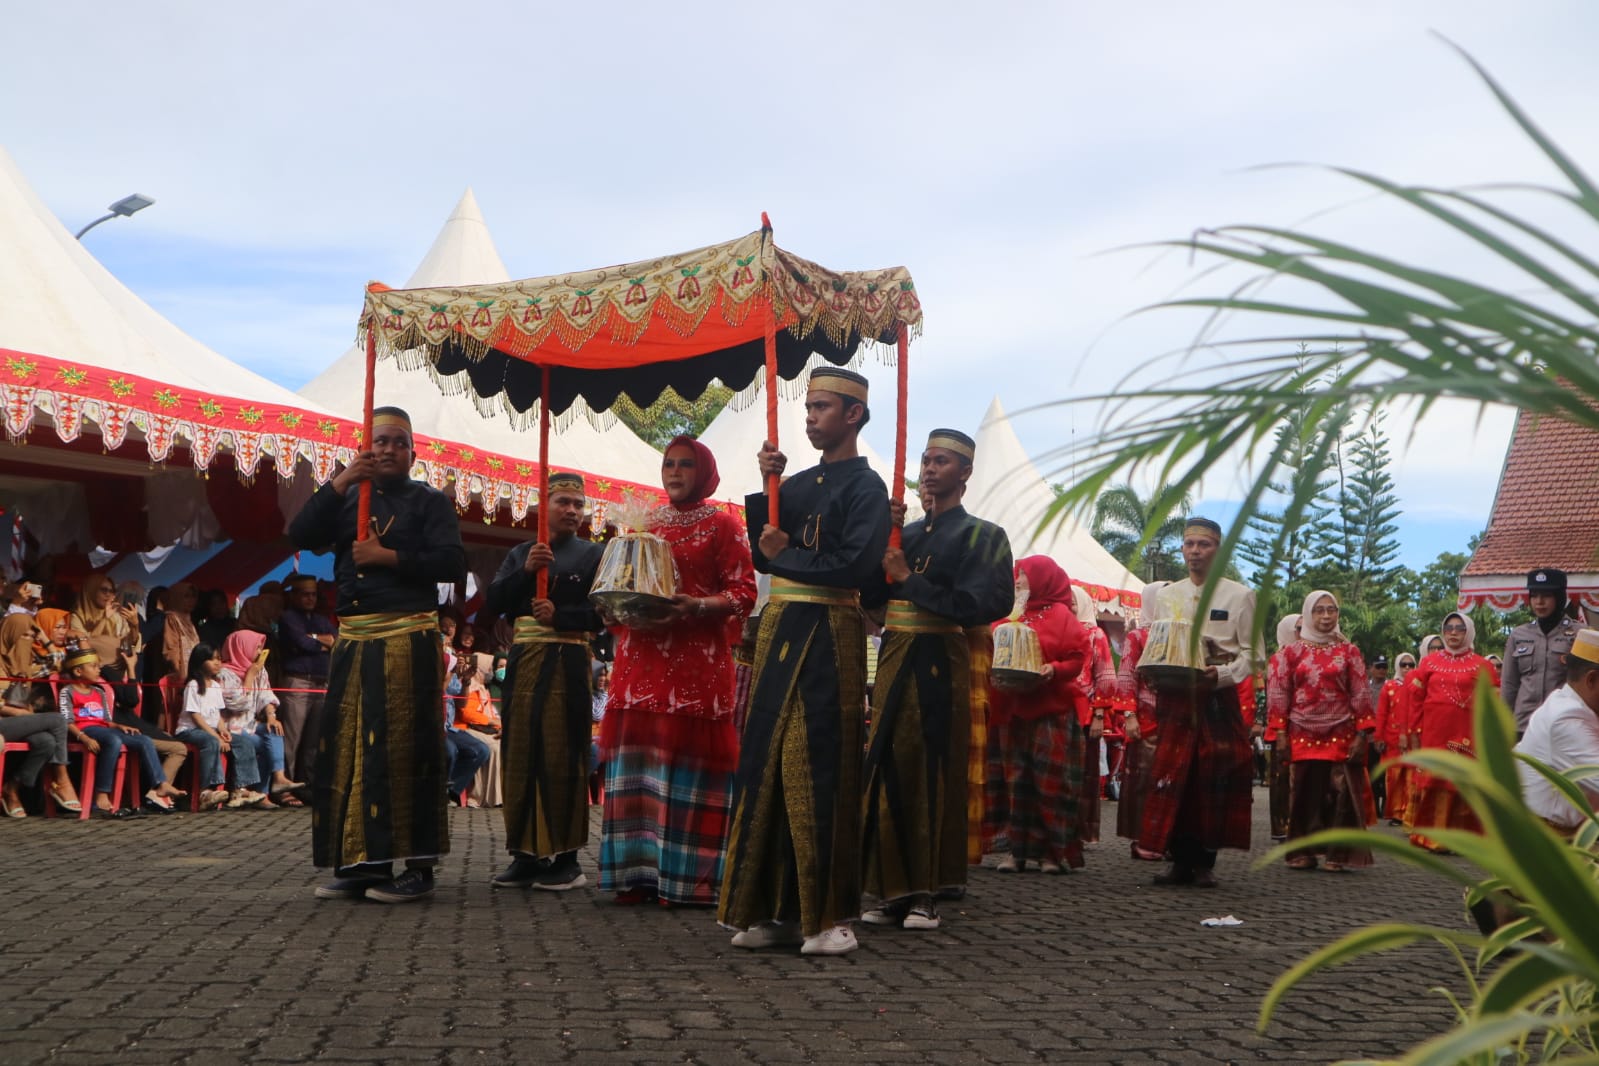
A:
[(1546, 512)]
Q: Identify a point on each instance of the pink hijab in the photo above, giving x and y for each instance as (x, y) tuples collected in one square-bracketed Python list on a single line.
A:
[(241, 648)]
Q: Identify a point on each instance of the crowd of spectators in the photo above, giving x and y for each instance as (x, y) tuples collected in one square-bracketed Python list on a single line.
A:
[(216, 703)]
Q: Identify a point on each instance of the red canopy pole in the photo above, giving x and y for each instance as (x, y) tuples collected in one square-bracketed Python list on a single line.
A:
[(771, 382), (901, 404), (363, 511), (543, 579)]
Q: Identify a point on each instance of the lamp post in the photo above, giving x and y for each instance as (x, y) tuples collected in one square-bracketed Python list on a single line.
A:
[(123, 208)]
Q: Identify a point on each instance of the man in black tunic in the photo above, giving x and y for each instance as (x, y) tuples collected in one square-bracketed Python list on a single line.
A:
[(952, 573), (380, 762), (793, 855), (544, 749)]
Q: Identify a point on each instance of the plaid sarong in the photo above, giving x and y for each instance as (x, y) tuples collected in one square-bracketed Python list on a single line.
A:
[(1032, 788), (1203, 774), (1138, 755), (665, 825)]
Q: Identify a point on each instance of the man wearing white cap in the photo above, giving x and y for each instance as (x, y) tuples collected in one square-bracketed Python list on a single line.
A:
[(1563, 733)]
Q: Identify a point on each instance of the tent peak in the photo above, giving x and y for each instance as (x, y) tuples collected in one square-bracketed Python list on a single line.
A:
[(463, 253)]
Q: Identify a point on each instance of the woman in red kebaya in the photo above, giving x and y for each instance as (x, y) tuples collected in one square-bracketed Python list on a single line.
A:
[(1036, 737), (667, 739), (1441, 689), (1320, 708), (1393, 728)]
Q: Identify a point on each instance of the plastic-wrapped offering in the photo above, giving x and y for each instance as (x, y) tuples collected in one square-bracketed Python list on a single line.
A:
[(1018, 658), (637, 577)]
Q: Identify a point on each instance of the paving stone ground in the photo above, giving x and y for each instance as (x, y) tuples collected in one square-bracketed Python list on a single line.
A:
[(194, 939)]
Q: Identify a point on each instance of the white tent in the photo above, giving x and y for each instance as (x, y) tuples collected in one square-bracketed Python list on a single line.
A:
[(735, 438), (1007, 489), (61, 302), (464, 254)]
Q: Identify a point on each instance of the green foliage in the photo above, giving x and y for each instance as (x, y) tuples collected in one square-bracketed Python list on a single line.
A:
[(1368, 508), (671, 415), (1121, 518), (1532, 982)]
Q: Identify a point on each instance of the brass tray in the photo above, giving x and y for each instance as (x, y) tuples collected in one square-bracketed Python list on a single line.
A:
[(630, 608)]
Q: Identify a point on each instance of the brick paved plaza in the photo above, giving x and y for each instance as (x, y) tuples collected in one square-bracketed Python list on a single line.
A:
[(195, 939)]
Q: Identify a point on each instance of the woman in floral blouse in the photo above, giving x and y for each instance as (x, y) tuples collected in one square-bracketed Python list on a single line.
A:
[(1319, 706)]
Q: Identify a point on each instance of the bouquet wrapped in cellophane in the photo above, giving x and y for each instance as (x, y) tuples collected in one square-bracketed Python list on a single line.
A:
[(637, 577)]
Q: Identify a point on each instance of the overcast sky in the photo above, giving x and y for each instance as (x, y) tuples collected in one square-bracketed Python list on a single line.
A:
[(297, 150)]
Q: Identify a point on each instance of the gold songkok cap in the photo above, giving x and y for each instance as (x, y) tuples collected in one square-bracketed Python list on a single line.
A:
[(1202, 526), (1586, 645), (390, 416), (75, 659), (837, 379), (567, 481), (953, 440)]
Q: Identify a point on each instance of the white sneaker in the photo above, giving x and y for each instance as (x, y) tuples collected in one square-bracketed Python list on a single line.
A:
[(922, 918), (883, 916), (769, 935), (839, 940)]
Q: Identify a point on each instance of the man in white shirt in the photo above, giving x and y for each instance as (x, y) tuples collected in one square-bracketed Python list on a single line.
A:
[(1564, 733), (1202, 776)]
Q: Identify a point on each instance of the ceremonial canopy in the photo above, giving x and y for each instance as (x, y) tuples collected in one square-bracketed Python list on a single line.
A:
[(681, 320)]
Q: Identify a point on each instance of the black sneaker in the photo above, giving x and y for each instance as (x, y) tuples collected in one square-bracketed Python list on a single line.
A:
[(522, 872), (561, 874), (407, 888), (351, 887)]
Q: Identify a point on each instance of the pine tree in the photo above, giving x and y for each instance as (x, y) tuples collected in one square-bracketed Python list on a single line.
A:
[(1279, 554), (1368, 508)]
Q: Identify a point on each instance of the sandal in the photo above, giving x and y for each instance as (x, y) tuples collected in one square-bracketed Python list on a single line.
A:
[(286, 799), (1302, 862), (1334, 867), (73, 805), (17, 811), (156, 801)]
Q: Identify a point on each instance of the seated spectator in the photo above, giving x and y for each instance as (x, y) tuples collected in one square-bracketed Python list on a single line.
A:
[(106, 626), (46, 734), (250, 710), (480, 716), (153, 667), (125, 712), (86, 703), (466, 751), (200, 725), (52, 639), (18, 632)]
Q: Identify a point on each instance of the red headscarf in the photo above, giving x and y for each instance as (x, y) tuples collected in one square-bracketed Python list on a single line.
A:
[(1047, 583), (705, 476)]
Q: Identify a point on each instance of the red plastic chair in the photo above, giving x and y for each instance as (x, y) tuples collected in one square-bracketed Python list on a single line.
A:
[(10, 746), (86, 781)]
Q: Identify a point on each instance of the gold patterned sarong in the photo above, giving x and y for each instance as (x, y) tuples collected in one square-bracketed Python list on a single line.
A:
[(980, 657), (793, 851), (381, 761), (915, 804), (544, 749)]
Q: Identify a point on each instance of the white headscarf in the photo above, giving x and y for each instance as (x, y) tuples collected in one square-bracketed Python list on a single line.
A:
[(1421, 649), (1083, 606), (1285, 630), (1399, 667), (1307, 623), (1471, 635)]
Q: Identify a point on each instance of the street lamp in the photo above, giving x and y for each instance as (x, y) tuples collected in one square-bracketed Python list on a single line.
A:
[(123, 207)]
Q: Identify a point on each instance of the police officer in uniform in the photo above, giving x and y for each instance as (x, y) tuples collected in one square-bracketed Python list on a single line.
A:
[(1535, 654)]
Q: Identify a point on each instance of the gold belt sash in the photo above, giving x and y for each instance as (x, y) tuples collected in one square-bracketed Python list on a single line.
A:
[(905, 617), (786, 591), (386, 624), (529, 630)]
